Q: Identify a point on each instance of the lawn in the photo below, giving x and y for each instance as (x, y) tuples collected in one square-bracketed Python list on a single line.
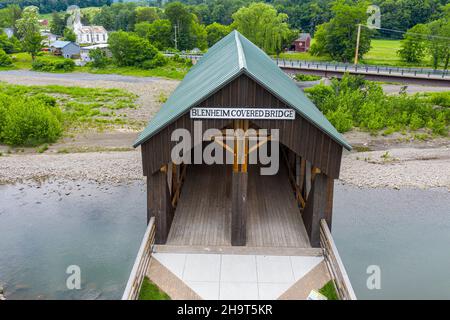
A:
[(150, 291), (329, 291), (382, 52), (172, 70)]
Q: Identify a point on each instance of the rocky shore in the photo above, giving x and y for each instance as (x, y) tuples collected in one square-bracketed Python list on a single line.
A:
[(391, 168)]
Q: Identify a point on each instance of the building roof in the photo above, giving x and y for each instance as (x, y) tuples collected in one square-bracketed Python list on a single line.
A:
[(92, 29), (303, 37), (229, 58), (96, 46), (59, 44)]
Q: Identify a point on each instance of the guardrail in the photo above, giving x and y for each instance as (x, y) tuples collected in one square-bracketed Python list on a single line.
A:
[(361, 68), (140, 264), (334, 263)]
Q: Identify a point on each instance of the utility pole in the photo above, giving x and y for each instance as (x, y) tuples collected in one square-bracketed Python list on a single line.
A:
[(175, 39), (357, 44)]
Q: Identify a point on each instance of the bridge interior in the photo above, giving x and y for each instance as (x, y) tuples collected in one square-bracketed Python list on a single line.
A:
[(203, 214)]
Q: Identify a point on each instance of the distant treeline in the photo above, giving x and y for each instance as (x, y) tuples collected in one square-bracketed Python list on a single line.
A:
[(47, 6)]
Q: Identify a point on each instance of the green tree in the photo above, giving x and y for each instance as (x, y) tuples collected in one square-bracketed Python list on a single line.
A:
[(98, 57), (264, 26), (215, 32), (189, 33), (147, 14), (414, 44), (9, 45), (5, 60), (69, 35), (159, 33), (28, 30), (58, 24), (337, 37), (130, 50), (439, 42)]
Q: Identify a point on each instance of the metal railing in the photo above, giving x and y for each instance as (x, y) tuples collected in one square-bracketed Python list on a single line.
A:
[(334, 264), (361, 68), (140, 264)]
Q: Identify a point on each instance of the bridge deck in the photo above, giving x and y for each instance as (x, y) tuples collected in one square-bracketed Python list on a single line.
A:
[(203, 213)]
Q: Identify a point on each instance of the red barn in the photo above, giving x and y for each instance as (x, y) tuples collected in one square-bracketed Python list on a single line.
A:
[(302, 43)]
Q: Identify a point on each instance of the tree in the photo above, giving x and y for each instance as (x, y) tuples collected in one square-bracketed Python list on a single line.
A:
[(130, 50), (264, 26), (439, 42), (414, 44), (146, 14), (159, 33), (69, 35), (28, 30), (337, 37), (215, 32), (98, 57), (5, 60), (58, 24)]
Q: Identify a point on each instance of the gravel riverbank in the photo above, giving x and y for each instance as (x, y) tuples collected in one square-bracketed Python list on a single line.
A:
[(393, 168)]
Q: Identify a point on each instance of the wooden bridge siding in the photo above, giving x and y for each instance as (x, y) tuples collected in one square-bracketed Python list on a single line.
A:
[(299, 135), (157, 150), (203, 215)]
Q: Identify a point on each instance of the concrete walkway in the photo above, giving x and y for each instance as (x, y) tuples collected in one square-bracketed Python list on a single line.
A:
[(240, 277)]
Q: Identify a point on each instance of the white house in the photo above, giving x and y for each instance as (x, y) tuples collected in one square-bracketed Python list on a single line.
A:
[(48, 38), (91, 34)]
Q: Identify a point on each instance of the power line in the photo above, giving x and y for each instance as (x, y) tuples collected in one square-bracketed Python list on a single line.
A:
[(403, 32)]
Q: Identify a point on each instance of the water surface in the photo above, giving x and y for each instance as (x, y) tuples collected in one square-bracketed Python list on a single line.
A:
[(45, 229)]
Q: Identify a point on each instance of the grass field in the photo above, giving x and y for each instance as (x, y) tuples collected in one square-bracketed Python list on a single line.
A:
[(149, 291), (382, 52), (173, 70)]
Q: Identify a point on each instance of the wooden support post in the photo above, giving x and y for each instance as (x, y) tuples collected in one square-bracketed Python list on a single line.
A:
[(159, 204), (239, 209), (307, 179), (318, 207)]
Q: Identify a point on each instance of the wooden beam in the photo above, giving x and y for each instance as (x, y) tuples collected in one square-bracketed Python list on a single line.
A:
[(159, 204), (180, 181), (297, 192), (317, 207), (307, 179), (239, 208)]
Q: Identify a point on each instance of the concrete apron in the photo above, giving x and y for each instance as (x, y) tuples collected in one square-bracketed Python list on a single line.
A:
[(213, 276)]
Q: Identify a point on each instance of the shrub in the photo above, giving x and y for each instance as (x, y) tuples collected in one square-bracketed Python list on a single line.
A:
[(99, 58), (5, 60), (28, 121), (158, 61), (354, 101), (130, 50), (53, 65)]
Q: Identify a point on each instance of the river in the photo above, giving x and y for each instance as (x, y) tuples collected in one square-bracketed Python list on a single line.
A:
[(46, 228)]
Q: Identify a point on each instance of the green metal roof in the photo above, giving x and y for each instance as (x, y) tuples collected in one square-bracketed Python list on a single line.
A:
[(226, 60)]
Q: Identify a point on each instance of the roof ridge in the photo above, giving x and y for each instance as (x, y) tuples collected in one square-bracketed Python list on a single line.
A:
[(240, 51)]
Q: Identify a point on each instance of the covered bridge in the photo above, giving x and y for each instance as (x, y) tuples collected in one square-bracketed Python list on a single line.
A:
[(236, 87)]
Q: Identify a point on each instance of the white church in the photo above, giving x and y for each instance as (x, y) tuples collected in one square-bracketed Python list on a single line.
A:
[(85, 34)]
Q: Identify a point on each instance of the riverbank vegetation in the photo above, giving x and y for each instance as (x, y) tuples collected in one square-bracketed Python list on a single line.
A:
[(150, 291), (354, 102), (34, 115)]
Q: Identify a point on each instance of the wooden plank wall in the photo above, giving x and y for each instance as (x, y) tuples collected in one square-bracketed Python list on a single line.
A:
[(299, 135)]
